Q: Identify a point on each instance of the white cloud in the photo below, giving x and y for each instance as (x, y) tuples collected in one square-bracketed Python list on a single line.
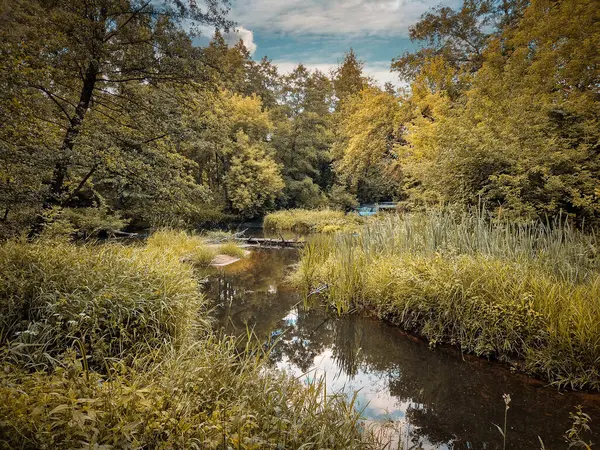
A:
[(245, 35), (331, 17), (379, 70)]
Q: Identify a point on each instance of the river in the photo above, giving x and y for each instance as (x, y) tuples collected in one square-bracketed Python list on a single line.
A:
[(427, 398)]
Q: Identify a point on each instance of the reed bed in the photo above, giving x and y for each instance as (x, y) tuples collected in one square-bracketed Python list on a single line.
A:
[(526, 293), (313, 221), (109, 346), (186, 247)]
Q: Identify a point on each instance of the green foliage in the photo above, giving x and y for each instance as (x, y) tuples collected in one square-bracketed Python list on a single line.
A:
[(91, 221), (348, 78), (253, 181), (524, 135), (303, 137), (364, 154), (517, 292), (93, 103), (207, 396)]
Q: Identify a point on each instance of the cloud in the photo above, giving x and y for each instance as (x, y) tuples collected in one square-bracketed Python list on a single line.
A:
[(245, 35), (332, 17), (378, 70)]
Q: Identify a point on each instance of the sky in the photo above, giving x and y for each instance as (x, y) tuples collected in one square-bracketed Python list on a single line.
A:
[(317, 33)]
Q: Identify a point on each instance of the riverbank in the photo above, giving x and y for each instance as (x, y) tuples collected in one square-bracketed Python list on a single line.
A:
[(527, 294), (111, 345)]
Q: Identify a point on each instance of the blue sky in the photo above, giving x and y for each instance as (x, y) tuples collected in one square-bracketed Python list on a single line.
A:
[(318, 32)]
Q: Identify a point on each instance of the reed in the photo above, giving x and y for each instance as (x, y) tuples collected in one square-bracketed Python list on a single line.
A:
[(113, 299), (181, 245), (527, 293), (232, 249), (207, 396)]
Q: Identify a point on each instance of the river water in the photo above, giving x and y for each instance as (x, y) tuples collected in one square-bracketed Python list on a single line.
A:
[(427, 398)]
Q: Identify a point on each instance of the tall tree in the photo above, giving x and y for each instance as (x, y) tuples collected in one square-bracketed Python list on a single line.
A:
[(303, 136), (527, 137), (365, 157), (97, 76), (348, 78)]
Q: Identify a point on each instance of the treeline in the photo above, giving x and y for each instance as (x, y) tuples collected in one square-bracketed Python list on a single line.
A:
[(111, 116)]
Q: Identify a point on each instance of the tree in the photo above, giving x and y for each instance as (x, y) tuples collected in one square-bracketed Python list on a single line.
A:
[(348, 78), (365, 158), (303, 137), (225, 131), (459, 37), (253, 181), (98, 79), (526, 138)]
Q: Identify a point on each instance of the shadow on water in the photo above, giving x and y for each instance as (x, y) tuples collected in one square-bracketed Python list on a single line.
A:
[(439, 398)]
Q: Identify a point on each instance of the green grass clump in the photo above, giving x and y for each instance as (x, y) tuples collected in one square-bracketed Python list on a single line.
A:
[(529, 293), (313, 221), (179, 244), (231, 249), (108, 346), (110, 299)]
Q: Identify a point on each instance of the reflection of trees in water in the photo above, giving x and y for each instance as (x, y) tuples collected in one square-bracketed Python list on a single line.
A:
[(348, 340), (253, 297), (302, 341), (460, 399), (454, 399)]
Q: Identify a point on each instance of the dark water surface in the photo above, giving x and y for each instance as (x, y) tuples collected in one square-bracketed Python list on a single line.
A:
[(437, 399)]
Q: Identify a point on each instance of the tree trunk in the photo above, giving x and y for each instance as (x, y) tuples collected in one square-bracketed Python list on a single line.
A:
[(60, 169)]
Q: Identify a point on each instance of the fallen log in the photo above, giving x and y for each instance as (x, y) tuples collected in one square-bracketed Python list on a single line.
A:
[(270, 242)]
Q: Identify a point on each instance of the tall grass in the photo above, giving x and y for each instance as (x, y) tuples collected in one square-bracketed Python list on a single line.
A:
[(186, 247), (113, 300), (108, 346), (524, 292), (312, 221), (206, 397)]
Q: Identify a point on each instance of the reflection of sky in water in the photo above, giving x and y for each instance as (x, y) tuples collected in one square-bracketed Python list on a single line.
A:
[(373, 396), (291, 318)]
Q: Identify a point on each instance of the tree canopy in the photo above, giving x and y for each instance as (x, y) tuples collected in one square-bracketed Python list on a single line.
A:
[(110, 110)]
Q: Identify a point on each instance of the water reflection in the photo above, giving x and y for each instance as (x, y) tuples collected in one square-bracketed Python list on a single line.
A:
[(437, 398)]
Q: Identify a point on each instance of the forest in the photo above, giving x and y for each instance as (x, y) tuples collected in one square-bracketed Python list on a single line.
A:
[(113, 118), (115, 121)]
